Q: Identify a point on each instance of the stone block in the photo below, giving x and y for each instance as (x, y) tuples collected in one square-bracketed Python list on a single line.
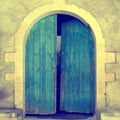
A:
[(109, 76), (110, 57), (9, 76), (11, 114), (9, 57), (110, 115), (112, 95), (13, 119), (4, 115), (5, 118), (112, 68), (19, 95), (118, 57)]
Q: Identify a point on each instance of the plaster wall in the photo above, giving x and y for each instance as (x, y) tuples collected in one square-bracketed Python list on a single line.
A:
[(12, 13)]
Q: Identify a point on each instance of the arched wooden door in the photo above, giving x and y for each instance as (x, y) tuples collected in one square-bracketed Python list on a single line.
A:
[(77, 68), (40, 67), (77, 84)]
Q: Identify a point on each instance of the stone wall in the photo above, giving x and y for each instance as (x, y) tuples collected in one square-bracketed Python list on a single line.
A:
[(12, 13)]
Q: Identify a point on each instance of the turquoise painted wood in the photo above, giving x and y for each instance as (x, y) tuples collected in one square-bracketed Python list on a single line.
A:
[(40, 70), (77, 68)]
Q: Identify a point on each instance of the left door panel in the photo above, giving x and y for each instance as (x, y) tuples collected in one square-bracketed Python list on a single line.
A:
[(40, 67)]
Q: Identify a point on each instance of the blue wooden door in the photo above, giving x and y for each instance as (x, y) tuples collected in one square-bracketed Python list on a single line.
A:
[(40, 67), (77, 68)]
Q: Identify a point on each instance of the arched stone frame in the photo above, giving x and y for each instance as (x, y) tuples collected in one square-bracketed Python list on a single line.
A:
[(20, 40)]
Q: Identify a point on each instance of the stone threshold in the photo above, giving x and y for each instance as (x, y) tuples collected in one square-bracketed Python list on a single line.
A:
[(61, 115), (17, 114)]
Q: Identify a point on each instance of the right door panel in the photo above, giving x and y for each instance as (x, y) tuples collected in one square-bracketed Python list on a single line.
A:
[(77, 91)]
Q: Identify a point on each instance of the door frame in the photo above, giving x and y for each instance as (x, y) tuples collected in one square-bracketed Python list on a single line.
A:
[(20, 42)]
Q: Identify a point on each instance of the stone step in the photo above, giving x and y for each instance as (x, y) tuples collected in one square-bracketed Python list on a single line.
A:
[(10, 114), (110, 115)]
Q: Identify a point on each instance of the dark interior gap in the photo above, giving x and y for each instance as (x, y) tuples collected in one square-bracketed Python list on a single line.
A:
[(61, 18)]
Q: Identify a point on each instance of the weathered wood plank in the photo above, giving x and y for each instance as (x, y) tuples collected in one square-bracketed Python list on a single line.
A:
[(78, 68), (40, 59)]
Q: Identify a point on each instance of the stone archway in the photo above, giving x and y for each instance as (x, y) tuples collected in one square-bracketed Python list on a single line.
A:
[(20, 41)]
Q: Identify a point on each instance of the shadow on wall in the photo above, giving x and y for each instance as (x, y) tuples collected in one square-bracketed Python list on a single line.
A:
[(6, 90)]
